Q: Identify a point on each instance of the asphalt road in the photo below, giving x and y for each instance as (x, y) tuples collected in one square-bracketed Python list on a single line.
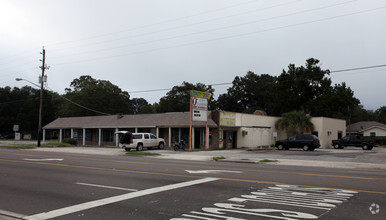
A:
[(43, 185)]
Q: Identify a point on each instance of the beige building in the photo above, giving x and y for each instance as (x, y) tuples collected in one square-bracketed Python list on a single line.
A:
[(227, 130), (238, 130), (328, 129)]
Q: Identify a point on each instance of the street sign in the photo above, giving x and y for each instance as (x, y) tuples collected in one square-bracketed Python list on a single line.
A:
[(17, 136), (15, 128)]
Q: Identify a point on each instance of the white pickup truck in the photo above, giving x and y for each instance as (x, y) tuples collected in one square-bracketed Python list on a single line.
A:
[(139, 141)]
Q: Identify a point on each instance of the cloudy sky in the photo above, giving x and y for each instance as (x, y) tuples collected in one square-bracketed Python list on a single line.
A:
[(156, 44)]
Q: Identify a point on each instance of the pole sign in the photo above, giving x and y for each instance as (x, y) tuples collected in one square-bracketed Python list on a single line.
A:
[(200, 109), (15, 128), (198, 112)]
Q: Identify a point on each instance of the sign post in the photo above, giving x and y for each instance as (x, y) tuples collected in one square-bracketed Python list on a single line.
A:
[(17, 135), (199, 112)]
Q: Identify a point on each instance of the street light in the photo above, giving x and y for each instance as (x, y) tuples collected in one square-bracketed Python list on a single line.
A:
[(40, 107)]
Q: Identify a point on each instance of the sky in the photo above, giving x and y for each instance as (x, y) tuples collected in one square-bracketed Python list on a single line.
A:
[(157, 44)]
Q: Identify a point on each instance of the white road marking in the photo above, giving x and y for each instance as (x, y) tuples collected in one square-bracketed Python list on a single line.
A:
[(114, 199), (11, 214), (108, 187), (212, 171), (48, 159)]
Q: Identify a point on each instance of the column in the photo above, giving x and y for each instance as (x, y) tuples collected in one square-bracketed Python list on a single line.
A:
[(60, 135), (44, 136), (84, 136), (99, 137), (72, 133), (117, 137), (193, 134), (157, 132), (207, 138), (170, 137)]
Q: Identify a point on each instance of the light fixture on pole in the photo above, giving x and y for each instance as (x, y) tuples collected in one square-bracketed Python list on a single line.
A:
[(42, 79)]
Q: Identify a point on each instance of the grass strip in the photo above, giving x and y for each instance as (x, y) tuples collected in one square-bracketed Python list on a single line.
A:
[(267, 161), (140, 153)]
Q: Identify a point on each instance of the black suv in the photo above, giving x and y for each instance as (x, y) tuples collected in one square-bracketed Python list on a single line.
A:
[(306, 141)]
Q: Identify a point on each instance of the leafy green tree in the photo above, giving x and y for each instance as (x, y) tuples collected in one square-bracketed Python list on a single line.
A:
[(141, 106), (178, 98), (298, 87), (248, 94), (381, 114), (21, 106), (96, 96), (295, 122), (336, 102)]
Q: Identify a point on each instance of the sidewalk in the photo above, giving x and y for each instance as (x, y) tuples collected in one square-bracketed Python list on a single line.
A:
[(328, 158)]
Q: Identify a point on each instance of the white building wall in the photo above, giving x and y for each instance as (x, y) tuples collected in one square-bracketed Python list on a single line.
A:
[(378, 132), (328, 129), (256, 136)]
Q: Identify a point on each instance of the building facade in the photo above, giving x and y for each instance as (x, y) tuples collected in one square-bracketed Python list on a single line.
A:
[(226, 130)]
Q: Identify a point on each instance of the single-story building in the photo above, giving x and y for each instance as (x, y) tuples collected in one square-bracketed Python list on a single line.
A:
[(226, 129), (367, 128)]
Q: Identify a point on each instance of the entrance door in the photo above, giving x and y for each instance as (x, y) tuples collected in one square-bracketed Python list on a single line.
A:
[(230, 139)]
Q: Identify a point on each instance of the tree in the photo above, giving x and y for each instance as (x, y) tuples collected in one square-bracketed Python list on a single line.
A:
[(336, 102), (178, 98), (140, 106), (295, 122), (381, 114), (298, 87), (248, 94), (97, 97), (21, 106)]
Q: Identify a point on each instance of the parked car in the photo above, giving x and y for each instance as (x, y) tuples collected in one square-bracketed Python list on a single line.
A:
[(139, 141), (354, 141), (307, 142)]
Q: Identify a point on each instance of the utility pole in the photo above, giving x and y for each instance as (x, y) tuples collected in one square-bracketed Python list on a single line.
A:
[(42, 80)]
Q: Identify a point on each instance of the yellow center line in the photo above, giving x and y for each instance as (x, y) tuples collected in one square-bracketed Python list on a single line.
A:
[(186, 176)]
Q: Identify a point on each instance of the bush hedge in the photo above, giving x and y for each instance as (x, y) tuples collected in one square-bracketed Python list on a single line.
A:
[(378, 140), (71, 141)]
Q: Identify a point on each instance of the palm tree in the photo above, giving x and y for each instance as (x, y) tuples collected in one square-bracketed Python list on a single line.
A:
[(295, 122)]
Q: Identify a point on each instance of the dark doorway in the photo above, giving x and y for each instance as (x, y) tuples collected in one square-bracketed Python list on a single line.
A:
[(230, 139)]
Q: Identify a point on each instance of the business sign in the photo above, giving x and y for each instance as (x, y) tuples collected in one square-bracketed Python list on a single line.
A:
[(200, 115), (227, 119), (199, 94), (200, 103), (200, 109)]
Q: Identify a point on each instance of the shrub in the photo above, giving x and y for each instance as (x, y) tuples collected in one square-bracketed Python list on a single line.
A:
[(71, 141)]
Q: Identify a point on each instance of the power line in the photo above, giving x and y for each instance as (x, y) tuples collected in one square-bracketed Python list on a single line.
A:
[(205, 31), (131, 29), (187, 25), (229, 83), (227, 37), (158, 23), (358, 68)]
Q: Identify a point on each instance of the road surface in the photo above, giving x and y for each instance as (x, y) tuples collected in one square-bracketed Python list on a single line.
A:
[(44, 185)]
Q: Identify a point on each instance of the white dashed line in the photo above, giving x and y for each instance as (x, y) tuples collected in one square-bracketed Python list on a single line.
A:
[(108, 187)]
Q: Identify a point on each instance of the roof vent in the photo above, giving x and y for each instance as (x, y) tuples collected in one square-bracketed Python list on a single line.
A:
[(119, 115)]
